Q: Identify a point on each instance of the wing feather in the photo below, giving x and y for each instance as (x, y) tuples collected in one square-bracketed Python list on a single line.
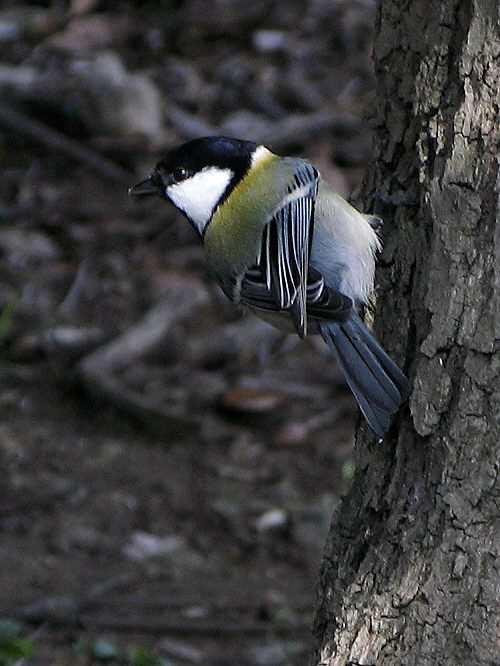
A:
[(321, 301), (287, 238)]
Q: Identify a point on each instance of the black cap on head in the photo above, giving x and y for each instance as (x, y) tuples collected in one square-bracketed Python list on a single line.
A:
[(193, 156), (219, 151)]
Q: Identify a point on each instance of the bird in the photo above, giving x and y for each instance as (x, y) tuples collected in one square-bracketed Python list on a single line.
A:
[(281, 242)]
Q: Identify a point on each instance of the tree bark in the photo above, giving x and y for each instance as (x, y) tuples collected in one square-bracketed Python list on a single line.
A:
[(410, 569)]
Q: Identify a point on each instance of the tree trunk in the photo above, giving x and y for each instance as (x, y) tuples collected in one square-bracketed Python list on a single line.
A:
[(409, 570)]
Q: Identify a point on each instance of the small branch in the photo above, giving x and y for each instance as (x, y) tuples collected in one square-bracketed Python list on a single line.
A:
[(100, 369), (295, 128), (213, 628), (49, 211), (198, 627), (19, 122)]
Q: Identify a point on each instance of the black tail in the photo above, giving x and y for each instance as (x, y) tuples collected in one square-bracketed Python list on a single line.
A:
[(378, 384)]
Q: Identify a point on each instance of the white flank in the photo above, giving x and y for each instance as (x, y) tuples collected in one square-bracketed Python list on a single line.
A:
[(198, 195), (344, 247)]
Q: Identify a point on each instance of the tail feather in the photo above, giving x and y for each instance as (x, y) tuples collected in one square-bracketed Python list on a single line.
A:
[(377, 383)]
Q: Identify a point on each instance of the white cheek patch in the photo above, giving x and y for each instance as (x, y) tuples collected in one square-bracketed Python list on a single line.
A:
[(198, 195)]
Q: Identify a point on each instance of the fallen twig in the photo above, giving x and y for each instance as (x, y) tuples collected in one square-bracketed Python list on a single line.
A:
[(124, 604), (99, 369), (19, 122), (195, 627), (118, 623), (64, 211), (299, 128)]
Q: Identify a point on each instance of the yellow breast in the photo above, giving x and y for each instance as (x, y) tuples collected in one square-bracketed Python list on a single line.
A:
[(232, 238)]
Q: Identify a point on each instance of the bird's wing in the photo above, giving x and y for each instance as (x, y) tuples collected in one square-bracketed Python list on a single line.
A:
[(284, 256), (321, 301), (282, 279), (324, 302)]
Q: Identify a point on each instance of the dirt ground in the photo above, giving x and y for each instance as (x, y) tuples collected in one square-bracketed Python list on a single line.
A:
[(169, 466)]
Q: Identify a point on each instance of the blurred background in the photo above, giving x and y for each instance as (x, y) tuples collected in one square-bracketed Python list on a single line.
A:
[(169, 466)]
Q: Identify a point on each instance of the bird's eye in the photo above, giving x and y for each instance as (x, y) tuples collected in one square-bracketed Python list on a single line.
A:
[(180, 174)]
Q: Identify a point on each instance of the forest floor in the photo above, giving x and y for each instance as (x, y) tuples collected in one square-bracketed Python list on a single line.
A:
[(169, 465)]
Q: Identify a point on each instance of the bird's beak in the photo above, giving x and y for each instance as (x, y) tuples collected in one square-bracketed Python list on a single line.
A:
[(145, 188)]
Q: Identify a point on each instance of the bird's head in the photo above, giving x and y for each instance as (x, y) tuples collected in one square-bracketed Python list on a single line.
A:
[(199, 175)]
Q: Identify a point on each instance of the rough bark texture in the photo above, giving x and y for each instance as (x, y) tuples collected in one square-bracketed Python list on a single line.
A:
[(410, 568)]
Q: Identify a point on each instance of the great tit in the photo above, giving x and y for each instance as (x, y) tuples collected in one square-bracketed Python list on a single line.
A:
[(283, 243)]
